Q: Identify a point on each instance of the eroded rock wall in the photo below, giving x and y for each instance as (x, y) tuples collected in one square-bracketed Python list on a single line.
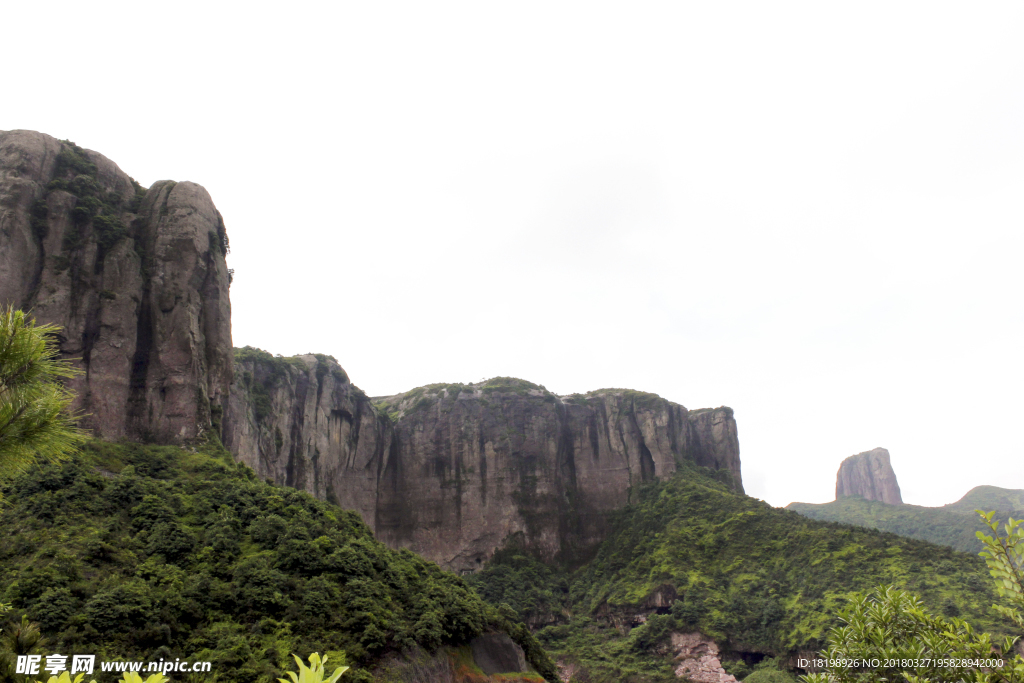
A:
[(300, 422), (138, 282), (472, 466), (136, 279), (453, 472)]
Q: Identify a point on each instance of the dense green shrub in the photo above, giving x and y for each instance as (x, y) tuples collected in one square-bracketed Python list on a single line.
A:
[(127, 549)]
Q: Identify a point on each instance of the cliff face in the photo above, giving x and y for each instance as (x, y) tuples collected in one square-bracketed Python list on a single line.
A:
[(138, 282), (136, 279), (300, 422), (870, 476), (472, 465), (454, 471)]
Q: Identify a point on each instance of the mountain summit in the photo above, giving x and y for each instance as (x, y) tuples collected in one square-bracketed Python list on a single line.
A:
[(870, 476)]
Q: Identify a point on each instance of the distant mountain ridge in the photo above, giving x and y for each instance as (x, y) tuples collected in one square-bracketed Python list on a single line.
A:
[(868, 495), (869, 475), (989, 498), (938, 525)]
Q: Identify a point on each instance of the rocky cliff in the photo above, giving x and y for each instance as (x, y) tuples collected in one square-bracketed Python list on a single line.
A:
[(453, 471), (136, 278), (473, 465), (870, 476), (300, 422)]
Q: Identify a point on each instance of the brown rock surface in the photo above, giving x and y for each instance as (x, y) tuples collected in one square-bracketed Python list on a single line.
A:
[(454, 471), (870, 476), (136, 279), (495, 653)]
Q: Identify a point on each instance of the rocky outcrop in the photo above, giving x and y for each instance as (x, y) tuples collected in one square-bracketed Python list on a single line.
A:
[(474, 465), (698, 659), (452, 472), (300, 422), (137, 281), (870, 476), (136, 278), (496, 653)]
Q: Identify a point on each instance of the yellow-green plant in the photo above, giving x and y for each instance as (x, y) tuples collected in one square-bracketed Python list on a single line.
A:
[(134, 677), (314, 673), (887, 636), (1005, 558), (129, 677), (65, 677)]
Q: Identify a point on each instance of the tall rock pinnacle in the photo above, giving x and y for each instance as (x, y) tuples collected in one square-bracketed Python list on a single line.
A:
[(870, 476), (135, 278)]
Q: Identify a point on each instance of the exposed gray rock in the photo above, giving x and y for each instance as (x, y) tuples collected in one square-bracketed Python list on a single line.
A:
[(136, 279), (472, 466), (452, 472), (495, 653), (138, 282), (300, 422), (870, 476)]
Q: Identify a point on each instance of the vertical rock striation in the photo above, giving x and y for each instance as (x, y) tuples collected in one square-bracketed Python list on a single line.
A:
[(300, 422), (453, 472), (474, 466), (138, 282), (870, 476), (136, 279)]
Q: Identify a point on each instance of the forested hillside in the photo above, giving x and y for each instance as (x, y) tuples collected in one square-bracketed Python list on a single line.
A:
[(954, 525), (691, 555), (935, 525), (143, 552)]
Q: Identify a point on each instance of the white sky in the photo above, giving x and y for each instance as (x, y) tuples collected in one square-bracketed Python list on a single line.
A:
[(809, 212)]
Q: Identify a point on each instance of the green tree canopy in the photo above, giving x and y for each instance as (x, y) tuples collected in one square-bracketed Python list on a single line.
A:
[(34, 418)]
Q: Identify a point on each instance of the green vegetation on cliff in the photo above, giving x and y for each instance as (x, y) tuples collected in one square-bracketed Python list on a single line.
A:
[(691, 555), (101, 209), (141, 552), (261, 373)]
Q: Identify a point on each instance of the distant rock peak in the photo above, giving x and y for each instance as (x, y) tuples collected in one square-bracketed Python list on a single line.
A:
[(870, 476)]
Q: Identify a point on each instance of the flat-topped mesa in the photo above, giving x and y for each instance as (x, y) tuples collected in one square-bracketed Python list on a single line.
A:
[(473, 465), (870, 476), (135, 278), (454, 471)]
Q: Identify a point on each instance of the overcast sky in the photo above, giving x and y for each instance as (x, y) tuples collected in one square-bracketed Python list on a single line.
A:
[(809, 212)]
